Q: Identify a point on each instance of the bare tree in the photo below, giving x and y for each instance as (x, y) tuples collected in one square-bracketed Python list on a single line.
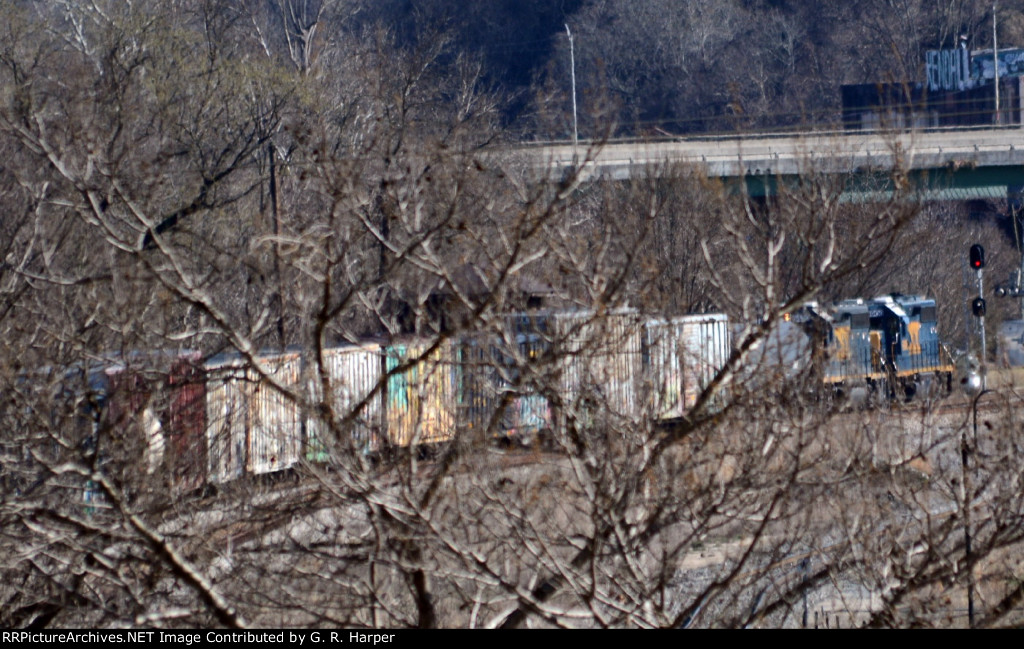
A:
[(163, 467)]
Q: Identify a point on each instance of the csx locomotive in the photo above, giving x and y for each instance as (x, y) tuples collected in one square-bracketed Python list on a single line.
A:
[(888, 345)]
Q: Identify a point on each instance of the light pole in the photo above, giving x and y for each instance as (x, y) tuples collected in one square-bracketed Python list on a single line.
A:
[(995, 59), (965, 451), (965, 491), (572, 66)]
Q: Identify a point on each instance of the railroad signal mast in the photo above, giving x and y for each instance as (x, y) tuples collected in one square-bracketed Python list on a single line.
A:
[(977, 262)]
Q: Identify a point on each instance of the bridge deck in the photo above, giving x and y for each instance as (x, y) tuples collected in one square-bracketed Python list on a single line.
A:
[(974, 163)]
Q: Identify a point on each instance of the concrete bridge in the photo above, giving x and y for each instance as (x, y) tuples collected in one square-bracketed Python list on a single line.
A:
[(939, 164)]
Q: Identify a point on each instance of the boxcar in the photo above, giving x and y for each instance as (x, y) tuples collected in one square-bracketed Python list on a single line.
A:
[(56, 413), (420, 397), (681, 357), (590, 363), (275, 424), (155, 401), (187, 422), (599, 365), (252, 427), (549, 369), (500, 375), (353, 374), (227, 415)]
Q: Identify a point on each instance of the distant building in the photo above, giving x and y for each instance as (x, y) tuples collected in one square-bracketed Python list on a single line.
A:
[(958, 90)]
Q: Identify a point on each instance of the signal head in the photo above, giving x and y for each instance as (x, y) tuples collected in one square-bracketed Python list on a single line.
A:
[(978, 307), (977, 257)]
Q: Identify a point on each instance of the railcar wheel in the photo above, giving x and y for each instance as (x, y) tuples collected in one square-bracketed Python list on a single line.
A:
[(881, 394), (910, 389), (858, 397)]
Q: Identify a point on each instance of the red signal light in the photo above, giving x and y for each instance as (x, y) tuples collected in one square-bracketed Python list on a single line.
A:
[(977, 257)]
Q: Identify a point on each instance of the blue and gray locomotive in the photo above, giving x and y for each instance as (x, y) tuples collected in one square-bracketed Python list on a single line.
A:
[(889, 345)]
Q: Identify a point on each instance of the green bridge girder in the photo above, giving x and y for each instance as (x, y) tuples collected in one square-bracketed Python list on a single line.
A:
[(941, 184)]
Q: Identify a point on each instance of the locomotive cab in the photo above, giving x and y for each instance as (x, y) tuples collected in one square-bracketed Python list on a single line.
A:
[(907, 332), (850, 357)]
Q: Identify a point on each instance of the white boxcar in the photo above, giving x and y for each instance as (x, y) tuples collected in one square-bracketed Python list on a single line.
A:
[(681, 357), (352, 374), (600, 364), (275, 425), (227, 417), (252, 427), (593, 361)]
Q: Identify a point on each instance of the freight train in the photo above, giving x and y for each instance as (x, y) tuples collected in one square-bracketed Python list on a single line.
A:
[(207, 421)]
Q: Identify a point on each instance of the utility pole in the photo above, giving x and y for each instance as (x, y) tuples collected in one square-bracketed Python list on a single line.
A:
[(276, 214), (1014, 286), (995, 60), (572, 65), (1018, 234)]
